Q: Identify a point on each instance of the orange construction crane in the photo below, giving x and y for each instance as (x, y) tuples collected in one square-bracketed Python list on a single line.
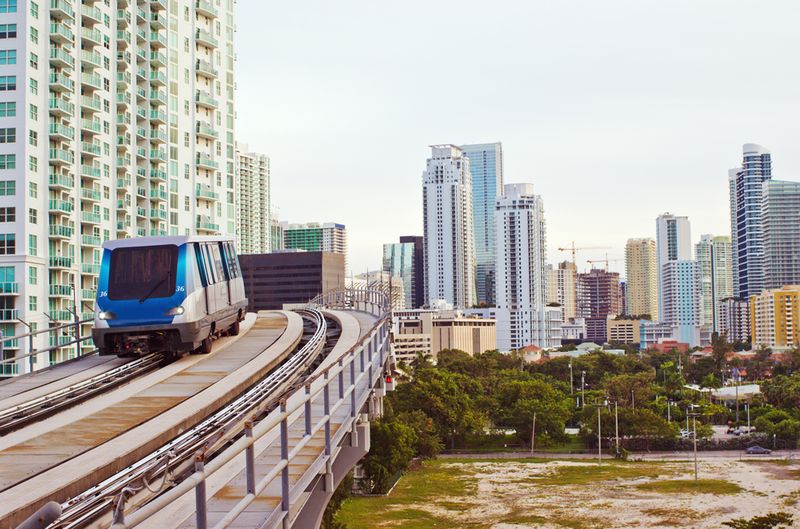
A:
[(574, 249)]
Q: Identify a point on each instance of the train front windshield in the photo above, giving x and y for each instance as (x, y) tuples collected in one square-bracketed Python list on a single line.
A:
[(143, 272)]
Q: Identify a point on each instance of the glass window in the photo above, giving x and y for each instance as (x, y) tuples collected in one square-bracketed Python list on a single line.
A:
[(8, 6), (8, 109), (34, 113), (33, 138), (33, 216), (8, 31), (8, 82), (143, 272), (8, 244), (33, 245), (33, 189), (34, 35), (34, 61), (8, 161), (34, 86), (33, 304), (34, 10), (8, 214), (33, 275), (33, 163), (8, 135), (8, 56), (8, 188)]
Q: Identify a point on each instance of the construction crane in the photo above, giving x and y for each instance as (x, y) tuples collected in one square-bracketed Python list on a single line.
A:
[(574, 249), (606, 261)]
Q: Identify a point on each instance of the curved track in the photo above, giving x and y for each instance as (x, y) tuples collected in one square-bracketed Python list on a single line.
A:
[(166, 466)]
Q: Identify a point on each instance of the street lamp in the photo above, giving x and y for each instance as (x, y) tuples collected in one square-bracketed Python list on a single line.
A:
[(571, 385), (583, 389), (599, 405), (694, 433)]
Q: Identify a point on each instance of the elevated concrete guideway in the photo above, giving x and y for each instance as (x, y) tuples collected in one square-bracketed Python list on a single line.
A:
[(65, 455)]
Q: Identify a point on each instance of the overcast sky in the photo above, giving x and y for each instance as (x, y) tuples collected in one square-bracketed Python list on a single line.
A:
[(615, 110)]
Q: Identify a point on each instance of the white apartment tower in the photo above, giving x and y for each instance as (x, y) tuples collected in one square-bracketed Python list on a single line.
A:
[(673, 243), (253, 212), (714, 261), (521, 277), (115, 121), (447, 213), (562, 288)]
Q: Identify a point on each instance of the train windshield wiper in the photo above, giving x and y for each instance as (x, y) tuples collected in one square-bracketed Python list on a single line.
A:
[(155, 287)]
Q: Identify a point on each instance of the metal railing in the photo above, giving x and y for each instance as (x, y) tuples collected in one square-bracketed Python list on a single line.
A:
[(354, 373)]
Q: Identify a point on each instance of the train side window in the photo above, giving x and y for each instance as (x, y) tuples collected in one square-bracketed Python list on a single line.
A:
[(223, 249), (209, 264), (230, 259), (217, 260), (201, 266)]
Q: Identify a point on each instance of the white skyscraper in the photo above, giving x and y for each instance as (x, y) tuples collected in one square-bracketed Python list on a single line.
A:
[(780, 215), (673, 243), (253, 212), (522, 317), (713, 255), (116, 120), (447, 213)]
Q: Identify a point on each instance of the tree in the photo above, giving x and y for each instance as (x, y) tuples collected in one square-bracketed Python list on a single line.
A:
[(719, 348), (775, 520), (627, 389), (780, 424), (391, 448), (518, 400), (783, 391), (428, 443)]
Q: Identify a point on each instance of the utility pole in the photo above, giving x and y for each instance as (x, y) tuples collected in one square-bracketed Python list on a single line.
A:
[(669, 417), (694, 421), (533, 434), (599, 442), (747, 408), (583, 389), (571, 385), (616, 425)]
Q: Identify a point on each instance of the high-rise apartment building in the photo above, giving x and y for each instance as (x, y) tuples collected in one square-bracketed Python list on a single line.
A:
[(520, 264), (275, 231), (253, 214), (641, 289), (673, 243), (117, 121), (398, 261), (315, 237), (598, 298), (418, 283), (715, 276), (780, 214), (486, 170), (562, 289), (747, 235), (447, 215), (734, 319), (681, 300), (775, 317)]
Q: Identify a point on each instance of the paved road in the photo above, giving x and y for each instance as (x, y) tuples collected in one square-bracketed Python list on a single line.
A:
[(643, 456)]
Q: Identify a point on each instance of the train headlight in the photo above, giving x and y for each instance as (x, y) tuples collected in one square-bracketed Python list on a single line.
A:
[(106, 315), (176, 311)]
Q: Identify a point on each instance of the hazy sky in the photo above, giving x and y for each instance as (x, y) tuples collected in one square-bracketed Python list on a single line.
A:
[(615, 110)]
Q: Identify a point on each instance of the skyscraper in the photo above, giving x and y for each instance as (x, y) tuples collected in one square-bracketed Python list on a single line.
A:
[(253, 213), (780, 213), (418, 283), (746, 190), (486, 169), (673, 243), (447, 215), (398, 261), (775, 318), (520, 265), (642, 278), (562, 287), (715, 277), (113, 126), (598, 298), (681, 300)]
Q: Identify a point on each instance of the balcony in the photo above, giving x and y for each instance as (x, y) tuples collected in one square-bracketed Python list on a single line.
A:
[(205, 130), (61, 231), (60, 107), (205, 192), (92, 13), (158, 40), (93, 269), (205, 38), (92, 81), (206, 162), (91, 126), (123, 100), (158, 96), (205, 99), (88, 294), (123, 18), (61, 291), (91, 171), (123, 59), (60, 9), (123, 38), (158, 78), (59, 131), (158, 214), (9, 288), (92, 58), (158, 21), (158, 194), (157, 116), (57, 261), (123, 79), (206, 9), (60, 33), (158, 176), (61, 59), (9, 314), (158, 233), (158, 59), (158, 5), (205, 224), (123, 183), (141, 212), (91, 149), (88, 217), (60, 181), (60, 157), (92, 195), (157, 135), (93, 104), (90, 240), (92, 36), (62, 206), (124, 118), (61, 83), (141, 133), (158, 155), (206, 69)]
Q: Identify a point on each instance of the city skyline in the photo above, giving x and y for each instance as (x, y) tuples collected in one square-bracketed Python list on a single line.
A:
[(654, 124)]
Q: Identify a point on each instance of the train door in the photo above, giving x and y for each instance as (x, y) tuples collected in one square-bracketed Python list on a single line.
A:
[(206, 278), (211, 289), (230, 270), (222, 292)]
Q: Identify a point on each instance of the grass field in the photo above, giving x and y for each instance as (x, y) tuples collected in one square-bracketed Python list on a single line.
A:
[(522, 493)]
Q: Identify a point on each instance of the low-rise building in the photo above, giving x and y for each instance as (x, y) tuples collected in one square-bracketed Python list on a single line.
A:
[(775, 317), (429, 331), (624, 330), (651, 333), (574, 330)]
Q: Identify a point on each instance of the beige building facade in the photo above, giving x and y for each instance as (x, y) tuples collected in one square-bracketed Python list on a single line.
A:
[(642, 278), (430, 331)]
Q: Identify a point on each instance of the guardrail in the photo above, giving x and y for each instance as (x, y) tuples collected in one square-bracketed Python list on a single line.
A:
[(13, 362), (355, 373)]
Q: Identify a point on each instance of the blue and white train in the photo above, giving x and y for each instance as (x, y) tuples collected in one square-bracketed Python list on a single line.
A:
[(167, 294)]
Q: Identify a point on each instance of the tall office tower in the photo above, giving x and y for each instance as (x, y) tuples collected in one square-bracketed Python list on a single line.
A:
[(520, 265), (780, 213), (775, 318), (253, 214), (447, 214), (486, 169), (715, 276), (417, 296), (734, 319), (598, 297), (681, 300), (673, 243), (315, 237), (398, 262), (114, 116), (641, 291), (746, 190), (561, 287)]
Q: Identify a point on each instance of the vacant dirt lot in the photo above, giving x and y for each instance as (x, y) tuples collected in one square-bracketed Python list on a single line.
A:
[(515, 494)]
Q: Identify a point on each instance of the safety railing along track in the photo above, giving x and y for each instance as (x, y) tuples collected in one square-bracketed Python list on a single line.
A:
[(162, 468)]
